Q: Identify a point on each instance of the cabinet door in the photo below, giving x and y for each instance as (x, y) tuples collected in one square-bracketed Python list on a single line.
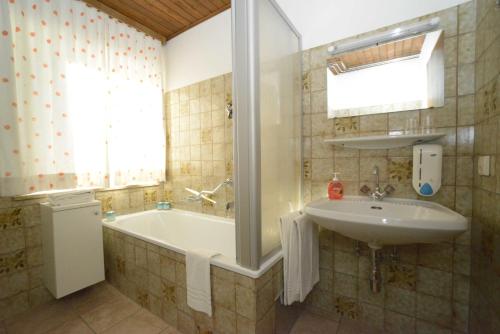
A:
[(78, 248)]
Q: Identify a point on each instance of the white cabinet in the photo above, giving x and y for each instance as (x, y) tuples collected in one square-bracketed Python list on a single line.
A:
[(72, 247)]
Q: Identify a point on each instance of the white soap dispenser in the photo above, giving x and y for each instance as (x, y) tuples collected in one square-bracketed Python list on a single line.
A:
[(427, 165)]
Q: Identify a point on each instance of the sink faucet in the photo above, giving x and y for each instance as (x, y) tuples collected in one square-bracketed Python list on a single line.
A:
[(377, 178), (378, 194)]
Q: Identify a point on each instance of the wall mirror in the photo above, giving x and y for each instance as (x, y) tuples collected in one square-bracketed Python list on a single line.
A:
[(395, 71)]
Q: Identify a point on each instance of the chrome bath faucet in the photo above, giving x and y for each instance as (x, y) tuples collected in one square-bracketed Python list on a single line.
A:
[(205, 194)]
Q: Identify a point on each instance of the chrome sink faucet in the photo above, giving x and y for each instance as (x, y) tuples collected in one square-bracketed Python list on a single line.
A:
[(378, 194)]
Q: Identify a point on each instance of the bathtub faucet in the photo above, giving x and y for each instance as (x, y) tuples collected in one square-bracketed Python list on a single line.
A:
[(229, 206), (205, 194)]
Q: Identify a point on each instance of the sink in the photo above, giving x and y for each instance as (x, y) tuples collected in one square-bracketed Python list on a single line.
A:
[(392, 221)]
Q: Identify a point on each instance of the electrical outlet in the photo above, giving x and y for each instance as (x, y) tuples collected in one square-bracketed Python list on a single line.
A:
[(483, 165)]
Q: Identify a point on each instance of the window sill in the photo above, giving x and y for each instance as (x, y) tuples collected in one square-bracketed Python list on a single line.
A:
[(44, 194)]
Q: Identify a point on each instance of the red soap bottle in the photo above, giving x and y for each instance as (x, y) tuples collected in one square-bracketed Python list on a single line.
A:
[(335, 188)]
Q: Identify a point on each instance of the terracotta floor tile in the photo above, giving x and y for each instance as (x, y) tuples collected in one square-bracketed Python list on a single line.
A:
[(286, 316), (40, 319), (75, 326), (146, 316), (309, 323), (109, 314), (133, 325), (170, 330), (348, 326), (92, 297), (93, 310)]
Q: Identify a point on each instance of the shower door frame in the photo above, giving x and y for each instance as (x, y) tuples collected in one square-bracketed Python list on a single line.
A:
[(246, 129)]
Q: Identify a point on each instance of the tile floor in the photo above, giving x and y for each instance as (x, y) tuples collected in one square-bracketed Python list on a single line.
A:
[(102, 309), (309, 323), (97, 309)]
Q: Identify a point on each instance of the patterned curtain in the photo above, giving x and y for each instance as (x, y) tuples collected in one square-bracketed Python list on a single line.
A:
[(80, 99)]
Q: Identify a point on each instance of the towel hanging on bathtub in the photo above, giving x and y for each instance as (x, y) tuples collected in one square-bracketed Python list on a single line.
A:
[(198, 279), (299, 240)]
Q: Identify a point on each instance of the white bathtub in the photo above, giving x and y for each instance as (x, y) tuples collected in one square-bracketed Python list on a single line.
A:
[(180, 230)]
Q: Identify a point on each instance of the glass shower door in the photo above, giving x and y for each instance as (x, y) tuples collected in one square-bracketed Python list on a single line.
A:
[(267, 99), (280, 116)]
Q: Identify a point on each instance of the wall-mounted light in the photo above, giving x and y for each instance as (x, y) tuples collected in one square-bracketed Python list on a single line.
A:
[(396, 34)]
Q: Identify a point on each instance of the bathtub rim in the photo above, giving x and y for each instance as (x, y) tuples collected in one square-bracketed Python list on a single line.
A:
[(220, 260)]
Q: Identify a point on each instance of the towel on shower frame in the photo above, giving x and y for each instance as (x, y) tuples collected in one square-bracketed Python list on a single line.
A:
[(299, 240)]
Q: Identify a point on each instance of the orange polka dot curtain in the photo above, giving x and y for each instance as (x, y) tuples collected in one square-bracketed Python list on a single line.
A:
[(80, 99)]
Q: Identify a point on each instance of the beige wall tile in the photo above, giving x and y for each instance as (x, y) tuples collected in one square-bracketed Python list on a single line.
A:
[(450, 51), (450, 81), (400, 300), (434, 310), (399, 120), (465, 110), (434, 282), (371, 123), (397, 323), (246, 302), (466, 48), (466, 83), (318, 79), (466, 17)]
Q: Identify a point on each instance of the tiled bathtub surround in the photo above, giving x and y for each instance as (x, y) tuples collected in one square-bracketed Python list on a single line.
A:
[(155, 277), (21, 259), (199, 143), (485, 285), (427, 290)]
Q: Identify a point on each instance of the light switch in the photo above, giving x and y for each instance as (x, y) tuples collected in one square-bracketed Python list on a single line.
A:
[(483, 165)]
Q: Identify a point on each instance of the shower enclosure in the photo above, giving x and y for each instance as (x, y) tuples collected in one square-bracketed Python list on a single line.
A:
[(267, 100)]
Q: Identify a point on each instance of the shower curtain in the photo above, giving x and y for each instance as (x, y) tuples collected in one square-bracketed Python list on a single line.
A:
[(80, 99)]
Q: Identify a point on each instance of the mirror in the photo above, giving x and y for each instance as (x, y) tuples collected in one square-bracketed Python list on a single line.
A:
[(402, 70)]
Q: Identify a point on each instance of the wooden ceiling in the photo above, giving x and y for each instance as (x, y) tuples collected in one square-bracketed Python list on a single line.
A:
[(376, 54), (161, 19)]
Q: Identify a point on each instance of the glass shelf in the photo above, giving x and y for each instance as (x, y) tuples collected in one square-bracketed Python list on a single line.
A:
[(384, 141)]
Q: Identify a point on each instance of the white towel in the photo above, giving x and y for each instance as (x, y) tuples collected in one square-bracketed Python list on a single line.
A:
[(308, 255), (299, 240), (198, 279)]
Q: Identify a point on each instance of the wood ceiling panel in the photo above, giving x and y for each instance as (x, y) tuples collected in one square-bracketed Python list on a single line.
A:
[(161, 19), (196, 7), (176, 9), (136, 13)]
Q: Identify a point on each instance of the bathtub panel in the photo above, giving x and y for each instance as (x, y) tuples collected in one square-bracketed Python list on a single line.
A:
[(240, 303)]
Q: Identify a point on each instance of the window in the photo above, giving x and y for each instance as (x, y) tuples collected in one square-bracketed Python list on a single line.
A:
[(81, 100)]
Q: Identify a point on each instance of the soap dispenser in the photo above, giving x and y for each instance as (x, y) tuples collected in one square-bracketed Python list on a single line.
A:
[(335, 188), (427, 164)]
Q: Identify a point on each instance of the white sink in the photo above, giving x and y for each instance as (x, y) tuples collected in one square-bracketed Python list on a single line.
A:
[(388, 222)]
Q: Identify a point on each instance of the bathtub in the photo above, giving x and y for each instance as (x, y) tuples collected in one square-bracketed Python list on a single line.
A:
[(180, 230)]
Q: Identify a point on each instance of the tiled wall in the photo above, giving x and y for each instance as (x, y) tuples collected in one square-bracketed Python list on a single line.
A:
[(485, 285), (200, 143), (155, 277), (21, 259), (428, 289)]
